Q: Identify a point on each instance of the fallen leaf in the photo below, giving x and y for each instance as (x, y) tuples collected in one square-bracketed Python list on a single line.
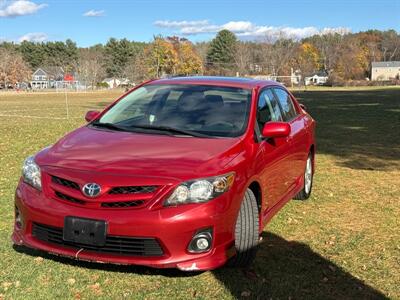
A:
[(96, 288), (245, 294), (6, 284), (39, 259)]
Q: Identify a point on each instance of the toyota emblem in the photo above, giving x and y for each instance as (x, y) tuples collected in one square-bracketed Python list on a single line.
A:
[(91, 189)]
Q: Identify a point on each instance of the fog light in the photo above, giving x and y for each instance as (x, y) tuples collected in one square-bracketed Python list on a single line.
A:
[(201, 241), (18, 218)]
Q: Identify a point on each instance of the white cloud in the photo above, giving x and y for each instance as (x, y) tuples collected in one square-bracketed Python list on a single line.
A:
[(180, 24), (94, 13), (247, 30), (33, 37), (239, 26), (19, 8)]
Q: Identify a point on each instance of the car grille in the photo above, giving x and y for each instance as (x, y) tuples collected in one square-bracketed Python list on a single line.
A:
[(133, 189), (114, 244), (65, 182), (69, 198), (111, 202), (122, 204)]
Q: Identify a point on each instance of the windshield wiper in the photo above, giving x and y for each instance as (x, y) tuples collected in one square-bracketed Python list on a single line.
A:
[(110, 126), (171, 130)]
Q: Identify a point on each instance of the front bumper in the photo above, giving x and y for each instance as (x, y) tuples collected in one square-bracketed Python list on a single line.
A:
[(172, 227)]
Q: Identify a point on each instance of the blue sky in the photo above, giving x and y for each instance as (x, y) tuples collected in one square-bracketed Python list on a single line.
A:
[(89, 22)]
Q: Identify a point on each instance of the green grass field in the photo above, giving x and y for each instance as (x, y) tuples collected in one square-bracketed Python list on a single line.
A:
[(344, 243)]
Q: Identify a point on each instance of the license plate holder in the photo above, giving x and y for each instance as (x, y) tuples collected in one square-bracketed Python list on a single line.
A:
[(85, 231)]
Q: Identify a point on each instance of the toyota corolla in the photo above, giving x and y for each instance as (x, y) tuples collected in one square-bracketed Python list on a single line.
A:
[(177, 173)]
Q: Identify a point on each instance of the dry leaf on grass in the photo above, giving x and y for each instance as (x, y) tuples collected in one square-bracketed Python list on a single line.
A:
[(96, 288), (39, 259), (245, 294)]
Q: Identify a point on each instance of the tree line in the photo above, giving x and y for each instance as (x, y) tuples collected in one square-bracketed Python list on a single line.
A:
[(344, 57)]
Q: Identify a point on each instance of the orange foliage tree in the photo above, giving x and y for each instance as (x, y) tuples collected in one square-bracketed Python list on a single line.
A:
[(13, 68)]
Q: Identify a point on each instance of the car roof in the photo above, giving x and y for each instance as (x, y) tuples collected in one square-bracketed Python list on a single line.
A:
[(246, 83)]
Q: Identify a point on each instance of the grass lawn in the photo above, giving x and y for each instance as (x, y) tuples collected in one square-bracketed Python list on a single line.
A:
[(344, 243)]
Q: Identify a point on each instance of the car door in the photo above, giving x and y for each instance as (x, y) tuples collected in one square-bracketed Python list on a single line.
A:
[(297, 139), (273, 153)]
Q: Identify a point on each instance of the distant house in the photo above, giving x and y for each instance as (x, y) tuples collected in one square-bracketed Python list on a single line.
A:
[(45, 78), (318, 78), (53, 77), (117, 82), (385, 70), (295, 77)]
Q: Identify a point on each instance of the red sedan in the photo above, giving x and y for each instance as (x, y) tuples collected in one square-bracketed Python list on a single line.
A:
[(181, 172)]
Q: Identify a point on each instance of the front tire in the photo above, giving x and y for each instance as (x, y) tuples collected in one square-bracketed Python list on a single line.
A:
[(305, 193), (246, 232)]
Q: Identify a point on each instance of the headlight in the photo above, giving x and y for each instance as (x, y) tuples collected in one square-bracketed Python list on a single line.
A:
[(201, 190), (31, 173)]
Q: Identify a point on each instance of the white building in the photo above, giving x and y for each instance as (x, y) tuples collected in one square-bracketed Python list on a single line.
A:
[(318, 78), (116, 82), (385, 70), (44, 78)]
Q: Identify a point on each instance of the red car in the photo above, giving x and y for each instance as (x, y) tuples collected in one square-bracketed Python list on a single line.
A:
[(177, 173)]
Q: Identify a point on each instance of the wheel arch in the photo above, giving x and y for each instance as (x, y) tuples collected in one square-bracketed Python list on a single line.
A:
[(255, 187)]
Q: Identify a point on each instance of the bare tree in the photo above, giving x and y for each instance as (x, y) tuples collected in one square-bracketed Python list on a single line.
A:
[(136, 69), (390, 45), (243, 57), (90, 66)]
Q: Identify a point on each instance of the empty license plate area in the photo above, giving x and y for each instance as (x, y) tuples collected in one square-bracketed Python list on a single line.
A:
[(85, 231)]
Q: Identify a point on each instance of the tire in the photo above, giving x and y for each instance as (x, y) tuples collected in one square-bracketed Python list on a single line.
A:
[(246, 232), (305, 193)]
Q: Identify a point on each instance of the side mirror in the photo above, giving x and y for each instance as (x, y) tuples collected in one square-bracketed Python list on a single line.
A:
[(303, 107), (276, 129), (91, 115)]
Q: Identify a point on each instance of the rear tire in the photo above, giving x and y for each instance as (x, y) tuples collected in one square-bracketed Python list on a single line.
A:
[(305, 193), (246, 232)]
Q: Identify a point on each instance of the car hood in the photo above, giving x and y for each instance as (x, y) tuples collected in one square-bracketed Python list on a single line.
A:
[(100, 150)]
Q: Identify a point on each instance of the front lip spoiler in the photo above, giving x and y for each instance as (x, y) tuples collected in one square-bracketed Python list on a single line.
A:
[(213, 260)]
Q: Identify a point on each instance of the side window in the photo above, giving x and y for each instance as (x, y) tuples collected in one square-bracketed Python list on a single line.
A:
[(288, 110), (267, 108)]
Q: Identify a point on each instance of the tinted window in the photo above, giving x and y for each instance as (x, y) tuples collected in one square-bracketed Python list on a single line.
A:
[(208, 110), (268, 108), (286, 103)]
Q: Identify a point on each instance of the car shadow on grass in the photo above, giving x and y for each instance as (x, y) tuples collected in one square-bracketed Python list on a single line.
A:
[(360, 128), (292, 270), (282, 270)]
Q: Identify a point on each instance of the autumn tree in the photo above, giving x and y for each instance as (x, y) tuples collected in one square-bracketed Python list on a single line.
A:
[(189, 62), (13, 68), (307, 58), (161, 57)]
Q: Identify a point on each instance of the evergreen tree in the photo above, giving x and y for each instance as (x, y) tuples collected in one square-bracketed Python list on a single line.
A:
[(221, 53)]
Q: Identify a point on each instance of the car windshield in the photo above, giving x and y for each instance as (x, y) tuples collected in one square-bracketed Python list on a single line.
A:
[(197, 110)]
